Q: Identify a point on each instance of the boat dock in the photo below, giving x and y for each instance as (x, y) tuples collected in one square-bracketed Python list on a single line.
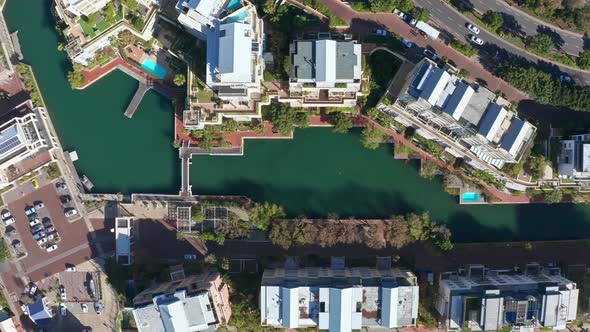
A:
[(134, 104)]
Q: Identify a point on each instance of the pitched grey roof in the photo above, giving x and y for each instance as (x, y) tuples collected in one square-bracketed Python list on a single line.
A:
[(490, 121), (304, 60)]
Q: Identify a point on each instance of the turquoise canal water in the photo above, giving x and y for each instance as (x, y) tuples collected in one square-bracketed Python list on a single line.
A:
[(316, 173)]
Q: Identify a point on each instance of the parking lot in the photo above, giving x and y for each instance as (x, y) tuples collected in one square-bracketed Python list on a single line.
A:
[(73, 234)]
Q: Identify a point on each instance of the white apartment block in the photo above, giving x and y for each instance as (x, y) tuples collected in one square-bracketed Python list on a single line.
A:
[(573, 161), (124, 240), (234, 71), (482, 299), (83, 7), (20, 136), (324, 73), (469, 115), (338, 300)]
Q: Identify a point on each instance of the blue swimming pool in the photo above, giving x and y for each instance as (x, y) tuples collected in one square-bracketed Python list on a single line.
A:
[(237, 17), (233, 5), (154, 68), (470, 197)]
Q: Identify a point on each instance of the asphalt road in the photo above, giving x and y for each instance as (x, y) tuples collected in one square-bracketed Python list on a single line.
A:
[(573, 43), (455, 23)]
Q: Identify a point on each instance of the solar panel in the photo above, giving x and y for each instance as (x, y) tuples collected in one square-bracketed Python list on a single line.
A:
[(9, 144)]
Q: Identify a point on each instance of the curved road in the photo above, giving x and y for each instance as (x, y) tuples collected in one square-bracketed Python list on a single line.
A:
[(454, 23)]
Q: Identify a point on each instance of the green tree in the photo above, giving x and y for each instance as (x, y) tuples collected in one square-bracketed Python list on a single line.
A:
[(127, 38), (285, 118), (493, 19), (371, 137), (583, 60), (553, 196), (283, 234), (91, 19), (197, 214), (540, 44), (405, 5), (109, 12), (342, 122), (420, 14), (262, 214), (130, 4), (76, 79), (138, 23), (179, 79), (4, 251)]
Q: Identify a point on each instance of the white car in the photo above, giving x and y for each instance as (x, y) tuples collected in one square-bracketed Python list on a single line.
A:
[(33, 290), (42, 241), (51, 248), (565, 78), (63, 310), (51, 237), (473, 28), (71, 213), (39, 235), (401, 14), (35, 222), (39, 205), (6, 214), (50, 229), (9, 221), (84, 307), (71, 269), (30, 211), (476, 40), (62, 293)]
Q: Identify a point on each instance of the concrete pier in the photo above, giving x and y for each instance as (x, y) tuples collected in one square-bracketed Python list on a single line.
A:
[(134, 104)]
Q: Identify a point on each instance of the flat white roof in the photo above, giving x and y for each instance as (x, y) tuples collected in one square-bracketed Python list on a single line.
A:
[(235, 53), (325, 63)]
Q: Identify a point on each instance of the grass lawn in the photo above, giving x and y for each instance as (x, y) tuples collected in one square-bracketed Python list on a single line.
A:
[(205, 95), (102, 26), (88, 30)]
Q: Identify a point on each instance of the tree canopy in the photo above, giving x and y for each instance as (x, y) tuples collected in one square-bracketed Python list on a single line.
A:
[(285, 118), (493, 19), (342, 122), (263, 214), (540, 44), (372, 137)]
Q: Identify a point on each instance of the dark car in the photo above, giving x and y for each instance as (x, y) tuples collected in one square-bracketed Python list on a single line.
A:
[(65, 198), (17, 244), (46, 222), (10, 231), (61, 185)]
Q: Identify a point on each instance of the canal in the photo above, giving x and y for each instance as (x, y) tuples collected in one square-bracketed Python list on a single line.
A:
[(315, 174)]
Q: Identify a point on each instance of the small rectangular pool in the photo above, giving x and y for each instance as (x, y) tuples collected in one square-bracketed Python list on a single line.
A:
[(239, 17), (233, 5), (470, 197), (154, 68)]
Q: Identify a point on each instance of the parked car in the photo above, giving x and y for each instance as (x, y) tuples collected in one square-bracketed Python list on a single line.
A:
[(39, 235), (476, 40), (62, 293), (407, 43), (190, 257), (32, 216), (565, 78), (35, 183), (70, 212), (63, 310), (17, 244), (46, 222), (9, 221), (413, 21), (32, 289), (71, 268), (6, 214), (84, 307), (51, 237), (39, 205), (61, 185), (65, 198), (51, 248), (50, 229), (98, 308), (42, 241), (35, 222), (36, 229), (401, 14), (473, 28), (380, 32), (429, 54), (10, 231), (29, 211)]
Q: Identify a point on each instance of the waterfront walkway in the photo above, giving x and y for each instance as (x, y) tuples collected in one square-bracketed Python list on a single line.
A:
[(134, 104), (185, 157)]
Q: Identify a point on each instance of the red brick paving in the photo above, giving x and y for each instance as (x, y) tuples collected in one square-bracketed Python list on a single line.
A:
[(30, 164), (360, 22), (12, 85)]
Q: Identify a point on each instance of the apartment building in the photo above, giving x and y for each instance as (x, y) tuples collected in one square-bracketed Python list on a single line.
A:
[(83, 7), (522, 299), (234, 70), (124, 240), (476, 124), (573, 160), (324, 73), (193, 303), (338, 299)]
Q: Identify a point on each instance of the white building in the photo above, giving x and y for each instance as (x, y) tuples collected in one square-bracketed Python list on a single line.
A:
[(574, 157), (467, 114), (124, 240), (324, 73), (83, 7), (338, 300), (482, 299), (200, 16)]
